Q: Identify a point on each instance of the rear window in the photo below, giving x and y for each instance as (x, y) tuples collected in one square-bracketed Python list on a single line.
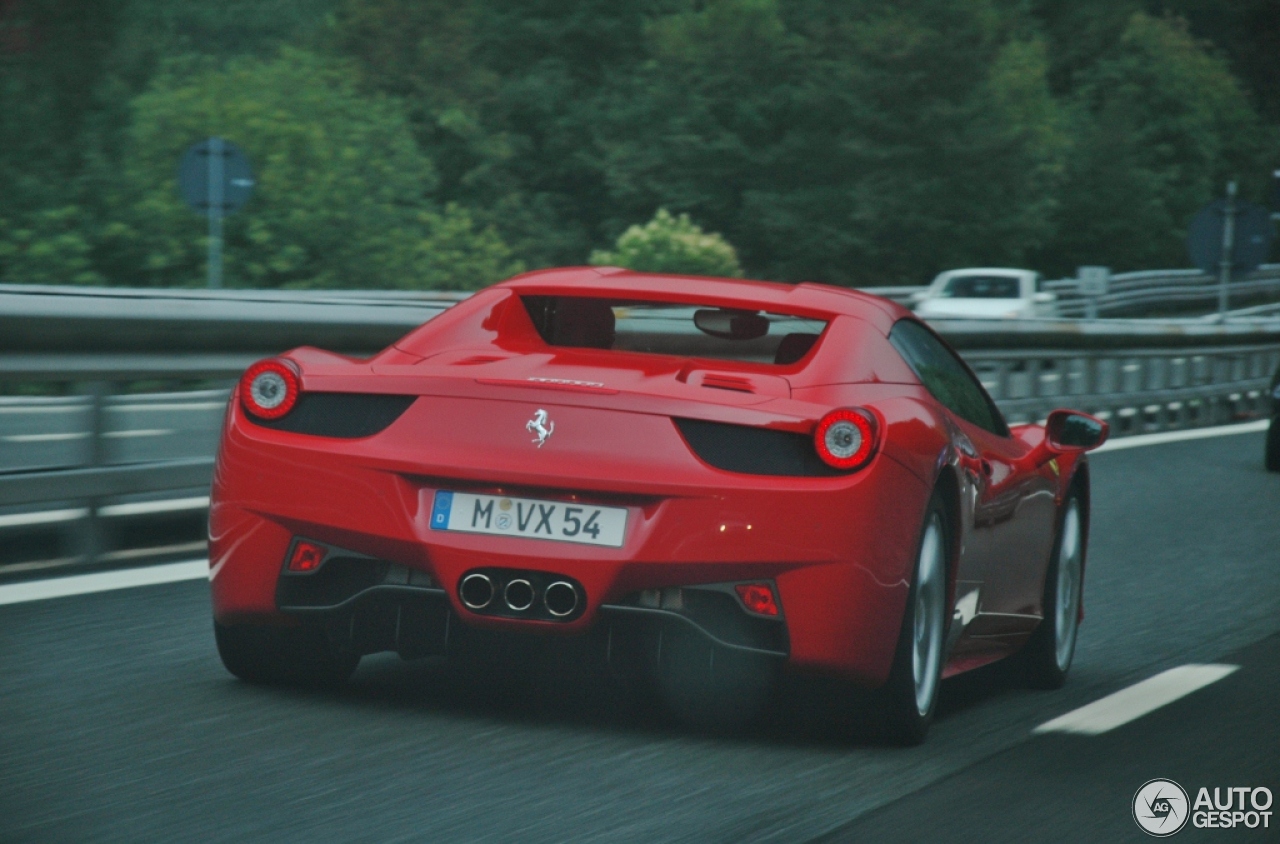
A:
[(678, 329), (982, 287)]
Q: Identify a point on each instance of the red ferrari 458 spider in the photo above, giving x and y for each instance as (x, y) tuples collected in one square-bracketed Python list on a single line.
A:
[(713, 479)]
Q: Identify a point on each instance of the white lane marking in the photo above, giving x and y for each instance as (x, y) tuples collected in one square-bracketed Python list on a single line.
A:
[(1137, 700), (44, 438), (195, 405), (1178, 436), (83, 584), (139, 508), (44, 517), (138, 432), (71, 406)]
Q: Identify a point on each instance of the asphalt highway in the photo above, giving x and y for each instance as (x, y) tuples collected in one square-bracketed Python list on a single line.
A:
[(117, 722)]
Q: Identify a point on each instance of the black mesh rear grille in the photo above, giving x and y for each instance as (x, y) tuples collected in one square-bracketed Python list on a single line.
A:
[(337, 580), (343, 415), (753, 451)]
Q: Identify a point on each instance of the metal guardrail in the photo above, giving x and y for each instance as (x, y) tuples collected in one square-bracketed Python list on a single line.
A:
[(1136, 390), (1137, 292), (117, 429), (103, 440), (1129, 292), (74, 319)]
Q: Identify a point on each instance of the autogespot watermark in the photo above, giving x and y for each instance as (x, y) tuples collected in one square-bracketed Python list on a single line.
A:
[(1162, 807)]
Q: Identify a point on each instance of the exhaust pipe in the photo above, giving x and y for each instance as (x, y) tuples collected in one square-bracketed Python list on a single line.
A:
[(560, 598), (518, 595), (475, 591)]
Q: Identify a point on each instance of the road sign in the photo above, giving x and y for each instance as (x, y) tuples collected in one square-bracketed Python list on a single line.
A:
[(214, 178), (215, 174), (1252, 236), (1093, 281)]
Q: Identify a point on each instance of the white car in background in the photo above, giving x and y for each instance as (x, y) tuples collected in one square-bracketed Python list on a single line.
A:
[(986, 293)]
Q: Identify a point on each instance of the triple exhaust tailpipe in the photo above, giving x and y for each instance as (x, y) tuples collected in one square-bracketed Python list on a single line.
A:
[(519, 592)]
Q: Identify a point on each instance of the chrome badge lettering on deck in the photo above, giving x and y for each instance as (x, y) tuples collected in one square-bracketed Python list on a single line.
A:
[(566, 382)]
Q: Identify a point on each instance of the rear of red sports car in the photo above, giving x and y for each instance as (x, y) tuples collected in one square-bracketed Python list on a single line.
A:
[(681, 469)]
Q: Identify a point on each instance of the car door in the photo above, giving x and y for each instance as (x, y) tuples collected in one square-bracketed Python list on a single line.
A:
[(1015, 511), (1013, 508)]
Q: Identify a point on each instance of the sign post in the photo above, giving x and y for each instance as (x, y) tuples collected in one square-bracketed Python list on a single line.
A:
[(215, 178), (1275, 195), (1229, 237), (1228, 249)]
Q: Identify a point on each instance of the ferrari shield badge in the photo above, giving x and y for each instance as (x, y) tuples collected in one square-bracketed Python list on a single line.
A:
[(541, 427)]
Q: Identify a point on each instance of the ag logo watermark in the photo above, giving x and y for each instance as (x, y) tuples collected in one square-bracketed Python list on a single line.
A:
[(1160, 808)]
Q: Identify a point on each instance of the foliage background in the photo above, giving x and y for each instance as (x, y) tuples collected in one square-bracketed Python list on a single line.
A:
[(449, 143)]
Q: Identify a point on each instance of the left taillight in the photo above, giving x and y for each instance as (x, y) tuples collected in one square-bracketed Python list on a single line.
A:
[(269, 389), (846, 438)]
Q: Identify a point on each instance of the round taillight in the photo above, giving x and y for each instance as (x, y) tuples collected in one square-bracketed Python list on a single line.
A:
[(846, 438), (269, 389)]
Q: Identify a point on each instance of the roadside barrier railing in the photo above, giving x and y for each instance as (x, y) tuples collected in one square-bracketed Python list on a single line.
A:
[(90, 433), (1140, 293), (1136, 292), (1136, 390)]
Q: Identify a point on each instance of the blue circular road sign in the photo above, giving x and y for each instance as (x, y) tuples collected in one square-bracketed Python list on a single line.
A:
[(1253, 232), (215, 174)]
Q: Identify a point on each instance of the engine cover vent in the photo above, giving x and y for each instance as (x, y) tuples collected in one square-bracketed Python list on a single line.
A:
[(721, 381)]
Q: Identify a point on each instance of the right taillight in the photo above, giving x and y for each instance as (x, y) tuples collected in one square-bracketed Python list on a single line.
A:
[(269, 389), (758, 597), (846, 438)]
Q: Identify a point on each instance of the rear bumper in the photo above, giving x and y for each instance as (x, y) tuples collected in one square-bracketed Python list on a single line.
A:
[(371, 605), (838, 550)]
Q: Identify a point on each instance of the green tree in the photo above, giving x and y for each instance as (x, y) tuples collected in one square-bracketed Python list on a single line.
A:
[(848, 142), (49, 246), (668, 244), (504, 95), (1160, 126), (343, 194), (51, 55), (1247, 33), (1079, 33)]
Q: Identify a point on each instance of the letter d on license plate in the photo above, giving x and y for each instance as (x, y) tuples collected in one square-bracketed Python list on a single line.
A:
[(530, 518)]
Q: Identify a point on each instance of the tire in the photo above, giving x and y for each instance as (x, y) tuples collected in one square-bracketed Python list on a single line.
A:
[(298, 656), (1048, 653), (1273, 445), (909, 697)]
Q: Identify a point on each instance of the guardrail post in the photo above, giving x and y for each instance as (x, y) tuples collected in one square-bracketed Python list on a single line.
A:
[(91, 538)]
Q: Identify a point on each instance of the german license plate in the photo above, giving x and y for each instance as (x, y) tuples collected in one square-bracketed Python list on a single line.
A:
[(531, 518)]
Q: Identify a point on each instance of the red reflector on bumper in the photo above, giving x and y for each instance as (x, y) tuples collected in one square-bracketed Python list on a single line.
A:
[(306, 557), (758, 597)]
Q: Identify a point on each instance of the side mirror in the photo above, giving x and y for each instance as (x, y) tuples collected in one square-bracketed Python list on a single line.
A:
[(1044, 297), (1069, 431), (918, 297)]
